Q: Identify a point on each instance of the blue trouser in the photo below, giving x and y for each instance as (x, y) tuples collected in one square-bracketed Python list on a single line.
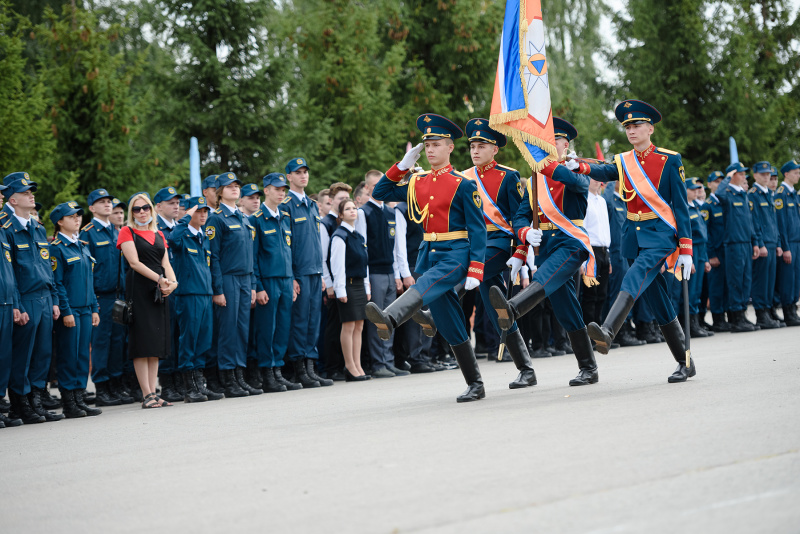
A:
[(273, 322), (619, 266), (763, 285), (306, 314), (790, 276), (108, 340), (232, 321), (384, 292), (717, 289), (73, 349), (696, 280), (6, 329), (556, 268), (194, 314), (493, 270), (644, 278), (445, 270), (32, 345), (738, 273)]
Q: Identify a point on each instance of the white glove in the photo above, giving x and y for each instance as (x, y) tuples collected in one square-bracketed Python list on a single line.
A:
[(572, 165), (524, 273), (685, 264), (410, 158), (534, 237), (471, 283), (515, 264)]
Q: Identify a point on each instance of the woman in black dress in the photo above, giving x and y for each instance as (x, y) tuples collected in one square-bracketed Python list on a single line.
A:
[(149, 282)]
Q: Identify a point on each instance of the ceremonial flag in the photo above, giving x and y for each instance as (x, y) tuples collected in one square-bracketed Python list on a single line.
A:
[(521, 102)]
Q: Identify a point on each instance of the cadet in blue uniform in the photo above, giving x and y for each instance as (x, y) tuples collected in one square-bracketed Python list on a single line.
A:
[(651, 181), (307, 273), (272, 265), (741, 237), (210, 190), (233, 286), (72, 274), (560, 257), (32, 343), (108, 337), (448, 206), (765, 218), (717, 290), (8, 309), (191, 261), (249, 201), (787, 204), (699, 257)]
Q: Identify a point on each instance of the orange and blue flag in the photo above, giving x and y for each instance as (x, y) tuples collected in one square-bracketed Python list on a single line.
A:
[(521, 103)]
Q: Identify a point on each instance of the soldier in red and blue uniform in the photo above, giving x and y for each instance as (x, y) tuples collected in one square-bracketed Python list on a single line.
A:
[(762, 290), (560, 257), (8, 309), (787, 204), (448, 206), (649, 177)]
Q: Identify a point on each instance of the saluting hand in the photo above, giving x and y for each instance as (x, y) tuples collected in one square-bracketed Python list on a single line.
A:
[(410, 158), (95, 319)]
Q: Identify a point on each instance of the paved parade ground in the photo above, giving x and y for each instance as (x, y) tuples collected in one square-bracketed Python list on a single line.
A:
[(632, 454)]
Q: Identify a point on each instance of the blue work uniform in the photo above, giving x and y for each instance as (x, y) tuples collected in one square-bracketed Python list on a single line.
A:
[(272, 265), (448, 207), (787, 205), (699, 256), (108, 337), (169, 365), (8, 293), (72, 266), (231, 242), (717, 290), (191, 260), (307, 272), (32, 344), (765, 218), (740, 236)]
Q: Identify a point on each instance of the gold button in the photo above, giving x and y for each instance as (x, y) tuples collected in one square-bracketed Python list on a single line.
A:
[(553, 234), (433, 250), (431, 215), (458, 180), (434, 179), (642, 162), (551, 189), (663, 158), (431, 197), (638, 228)]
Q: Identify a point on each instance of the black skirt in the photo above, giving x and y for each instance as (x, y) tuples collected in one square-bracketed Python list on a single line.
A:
[(149, 334), (355, 307)]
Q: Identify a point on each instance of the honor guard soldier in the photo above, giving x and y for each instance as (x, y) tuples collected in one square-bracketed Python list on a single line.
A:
[(657, 233), (788, 205), (697, 216), (307, 272), (765, 218), (272, 265), (562, 201), (740, 242), (72, 266), (501, 192), (210, 190), (717, 290), (448, 206), (32, 338), (191, 260), (233, 285), (8, 309), (108, 337)]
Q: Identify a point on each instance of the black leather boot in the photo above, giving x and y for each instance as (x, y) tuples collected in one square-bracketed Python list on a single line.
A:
[(424, 318), (192, 393), (177, 384), (231, 385), (291, 386), (168, 392), (312, 374), (268, 382), (200, 382), (301, 374), (397, 313), (7, 422), (133, 387), (673, 334), (773, 312), (465, 357), (35, 400), (739, 323), (21, 409), (71, 410), (48, 401), (719, 323), (81, 403), (117, 387), (603, 336), (104, 396), (252, 375), (522, 360), (5, 406), (764, 321), (695, 330), (238, 373), (584, 353), (213, 381), (790, 316), (626, 336), (509, 311)]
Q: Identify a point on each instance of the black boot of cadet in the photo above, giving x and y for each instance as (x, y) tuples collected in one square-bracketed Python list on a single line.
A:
[(509, 311), (397, 313), (604, 335), (522, 360), (465, 357), (676, 341), (584, 353)]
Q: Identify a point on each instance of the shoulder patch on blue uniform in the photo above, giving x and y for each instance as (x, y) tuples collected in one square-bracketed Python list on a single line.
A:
[(218, 210), (780, 189), (506, 168), (57, 242), (87, 227), (286, 213), (84, 242), (459, 174), (752, 189), (286, 200), (259, 213), (665, 151), (8, 224)]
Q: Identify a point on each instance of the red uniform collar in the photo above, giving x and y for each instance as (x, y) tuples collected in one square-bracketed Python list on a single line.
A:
[(438, 172), (647, 152), (488, 166)]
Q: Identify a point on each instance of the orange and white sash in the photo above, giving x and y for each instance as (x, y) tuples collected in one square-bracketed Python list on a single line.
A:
[(628, 164), (557, 217), (488, 205)]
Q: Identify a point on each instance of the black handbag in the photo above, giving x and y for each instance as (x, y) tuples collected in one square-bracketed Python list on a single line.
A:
[(122, 312)]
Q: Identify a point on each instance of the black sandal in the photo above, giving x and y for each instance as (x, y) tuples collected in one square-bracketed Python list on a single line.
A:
[(163, 402), (150, 401)]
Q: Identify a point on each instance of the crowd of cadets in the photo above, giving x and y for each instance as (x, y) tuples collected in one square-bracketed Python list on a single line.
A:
[(265, 273)]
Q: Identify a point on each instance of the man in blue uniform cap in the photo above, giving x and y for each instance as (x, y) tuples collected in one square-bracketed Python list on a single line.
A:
[(32, 341), (787, 205), (717, 290), (764, 267), (657, 232), (8, 309), (209, 189), (448, 206), (699, 256)]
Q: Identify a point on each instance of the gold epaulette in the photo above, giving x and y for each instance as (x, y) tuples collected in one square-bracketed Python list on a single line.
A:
[(286, 200), (258, 213), (752, 189), (84, 242), (87, 227), (780, 189), (56, 242), (670, 152), (507, 168), (6, 225), (218, 210)]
